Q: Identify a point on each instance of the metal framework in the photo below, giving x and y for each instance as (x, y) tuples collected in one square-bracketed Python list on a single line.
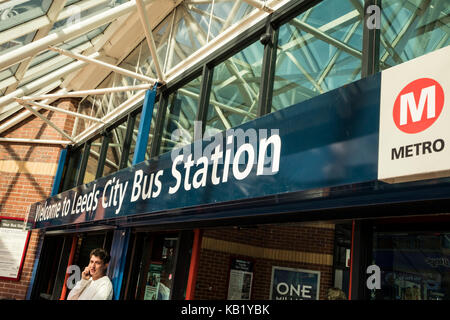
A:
[(122, 50)]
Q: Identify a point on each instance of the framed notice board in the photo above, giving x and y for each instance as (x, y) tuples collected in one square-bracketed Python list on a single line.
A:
[(294, 284), (240, 280), (13, 245)]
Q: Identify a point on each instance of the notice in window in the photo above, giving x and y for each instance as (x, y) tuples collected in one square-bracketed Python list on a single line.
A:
[(241, 277), (153, 281), (13, 240)]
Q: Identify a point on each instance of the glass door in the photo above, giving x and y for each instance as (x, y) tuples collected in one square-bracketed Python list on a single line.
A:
[(159, 274), (151, 267)]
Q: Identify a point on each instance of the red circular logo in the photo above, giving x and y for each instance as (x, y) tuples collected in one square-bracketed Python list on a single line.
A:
[(418, 105)]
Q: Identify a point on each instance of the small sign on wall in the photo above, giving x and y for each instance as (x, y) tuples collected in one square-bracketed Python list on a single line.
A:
[(294, 284), (414, 142), (13, 245), (241, 279)]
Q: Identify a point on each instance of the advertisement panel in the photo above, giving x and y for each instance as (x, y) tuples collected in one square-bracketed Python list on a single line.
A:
[(294, 284)]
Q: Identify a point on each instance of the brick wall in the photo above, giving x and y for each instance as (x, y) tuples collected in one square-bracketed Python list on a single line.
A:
[(26, 176), (298, 246)]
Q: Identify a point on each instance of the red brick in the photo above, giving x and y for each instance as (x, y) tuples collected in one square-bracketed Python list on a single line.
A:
[(19, 190)]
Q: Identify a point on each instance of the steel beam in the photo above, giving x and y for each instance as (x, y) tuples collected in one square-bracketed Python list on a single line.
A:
[(116, 114), (259, 5), (37, 141), (51, 124), (83, 93), (48, 107), (64, 34), (149, 36), (324, 37), (105, 65), (43, 81)]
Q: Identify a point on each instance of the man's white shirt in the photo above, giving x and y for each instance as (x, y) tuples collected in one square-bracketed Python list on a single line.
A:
[(100, 289)]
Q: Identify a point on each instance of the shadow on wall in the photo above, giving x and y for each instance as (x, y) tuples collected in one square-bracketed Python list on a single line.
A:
[(30, 177)]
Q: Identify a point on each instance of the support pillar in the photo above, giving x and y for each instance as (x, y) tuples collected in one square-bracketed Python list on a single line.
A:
[(144, 126), (118, 254), (361, 256), (195, 257)]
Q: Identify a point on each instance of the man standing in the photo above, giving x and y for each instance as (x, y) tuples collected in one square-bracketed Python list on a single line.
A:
[(94, 283)]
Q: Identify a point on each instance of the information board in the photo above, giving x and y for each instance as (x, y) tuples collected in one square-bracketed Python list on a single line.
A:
[(13, 245), (241, 278), (294, 284)]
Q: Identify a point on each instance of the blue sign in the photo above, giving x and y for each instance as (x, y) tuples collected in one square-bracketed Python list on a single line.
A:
[(294, 284), (330, 140)]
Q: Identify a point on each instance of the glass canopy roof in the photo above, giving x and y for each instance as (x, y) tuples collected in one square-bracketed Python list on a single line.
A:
[(183, 31), (17, 12)]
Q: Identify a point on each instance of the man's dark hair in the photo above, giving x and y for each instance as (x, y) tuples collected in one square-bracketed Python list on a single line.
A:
[(101, 253)]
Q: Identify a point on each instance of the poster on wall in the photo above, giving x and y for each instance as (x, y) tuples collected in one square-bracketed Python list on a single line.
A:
[(241, 278), (13, 244), (294, 284), (153, 281)]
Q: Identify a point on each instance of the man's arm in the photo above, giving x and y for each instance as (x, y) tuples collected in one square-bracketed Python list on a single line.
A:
[(77, 290)]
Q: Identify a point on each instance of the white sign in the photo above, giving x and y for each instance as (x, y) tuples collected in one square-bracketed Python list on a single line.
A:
[(240, 285), (414, 141), (13, 240)]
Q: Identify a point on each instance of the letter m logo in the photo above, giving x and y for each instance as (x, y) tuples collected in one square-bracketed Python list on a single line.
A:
[(418, 105), (408, 103)]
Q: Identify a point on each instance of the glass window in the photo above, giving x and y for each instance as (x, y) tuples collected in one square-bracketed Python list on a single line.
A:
[(77, 44), (152, 267), (308, 65), (226, 13), (197, 23), (288, 261), (180, 116), (9, 72), (77, 14), (70, 2), (16, 12), (131, 63), (134, 139), (92, 164), (52, 251), (161, 36), (44, 68), (96, 106), (89, 106), (410, 29), (16, 43), (188, 36), (73, 166), (201, 12), (115, 149), (235, 90), (414, 265), (159, 280)]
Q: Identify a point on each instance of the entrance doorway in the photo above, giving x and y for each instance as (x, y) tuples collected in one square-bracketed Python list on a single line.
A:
[(156, 266)]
